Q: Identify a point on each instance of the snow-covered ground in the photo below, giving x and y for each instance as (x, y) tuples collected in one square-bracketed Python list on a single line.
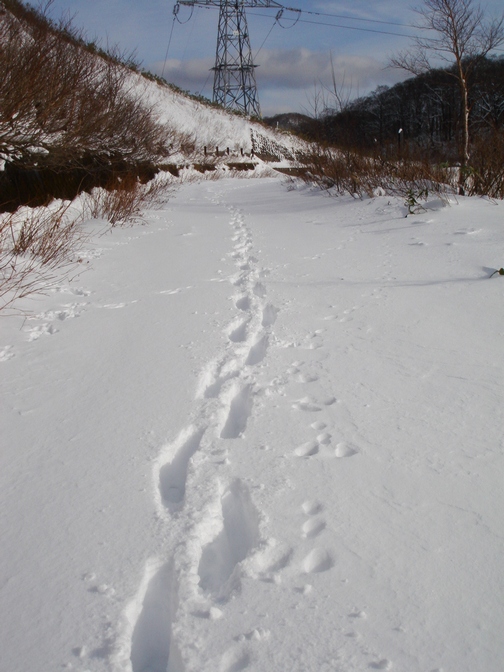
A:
[(272, 441)]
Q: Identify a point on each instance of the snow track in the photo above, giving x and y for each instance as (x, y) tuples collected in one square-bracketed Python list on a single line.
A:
[(210, 536), (243, 581), (262, 434)]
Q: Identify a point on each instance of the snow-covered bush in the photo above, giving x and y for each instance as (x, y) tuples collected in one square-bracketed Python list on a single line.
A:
[(34, 242), (64, 108)]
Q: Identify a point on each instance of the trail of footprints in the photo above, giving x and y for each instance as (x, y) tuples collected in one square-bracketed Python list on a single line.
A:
[(215, 527), (214, 533), (213, 530)]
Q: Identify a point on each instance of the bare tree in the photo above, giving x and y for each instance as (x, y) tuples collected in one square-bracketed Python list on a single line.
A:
[(330, 99), (340, 94), (463, 38)]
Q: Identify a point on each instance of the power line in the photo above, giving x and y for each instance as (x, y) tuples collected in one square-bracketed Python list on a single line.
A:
[(264, 41), (351, 18), (337, 25), (332, 25), (365, 30), (168, 47), (336, 16)]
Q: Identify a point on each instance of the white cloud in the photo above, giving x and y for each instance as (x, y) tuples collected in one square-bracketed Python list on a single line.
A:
[(299, 68), (289, 76)]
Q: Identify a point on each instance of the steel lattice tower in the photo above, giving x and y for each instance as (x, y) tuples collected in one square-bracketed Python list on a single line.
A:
[(234, 71), (234, 77)]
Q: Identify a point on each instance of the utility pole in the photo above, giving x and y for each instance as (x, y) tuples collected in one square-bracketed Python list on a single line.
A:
[(234, 70)]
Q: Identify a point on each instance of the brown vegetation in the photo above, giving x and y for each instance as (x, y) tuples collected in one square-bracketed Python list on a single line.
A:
[(123, 202), (64, 111), (350, 172), (72, 118), (33, 244)]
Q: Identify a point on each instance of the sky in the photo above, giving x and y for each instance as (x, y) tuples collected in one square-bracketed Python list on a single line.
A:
[(294, 72)]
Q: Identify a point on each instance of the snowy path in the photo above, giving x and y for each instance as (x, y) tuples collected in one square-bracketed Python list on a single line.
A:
[(273, 440), (208, 514)]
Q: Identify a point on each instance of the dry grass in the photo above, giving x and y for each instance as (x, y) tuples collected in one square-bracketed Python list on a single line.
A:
[(63, 108), (348, 172), (34, 245), (486, 175), (124, 202), (39, 244)]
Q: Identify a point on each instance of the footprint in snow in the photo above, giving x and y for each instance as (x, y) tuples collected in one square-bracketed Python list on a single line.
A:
[(259, 290), (65, 289), (239, 333), (269, 315), (173, 473), (258, 351), (311, 507), (239, 410), (243, 303), (233, 661), (307, 378), (306, 404), (258, 634), (313, 527), (361, 615), (42, 330), (344, 449), (324, 439), (317, 561), (238, 536), (383, 664), (307, 449), (151, 637), (6, 353), (311, 405), (466, 232)]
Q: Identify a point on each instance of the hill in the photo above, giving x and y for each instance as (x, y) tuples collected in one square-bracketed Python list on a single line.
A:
[(74, 117), (427, 110)]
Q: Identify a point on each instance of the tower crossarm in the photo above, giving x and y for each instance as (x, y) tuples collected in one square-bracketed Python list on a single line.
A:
[(244, 3), (234, 79)]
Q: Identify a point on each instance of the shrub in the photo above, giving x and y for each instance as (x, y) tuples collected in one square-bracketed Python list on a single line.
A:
[(60, 103), (122, 202), (349, 172), (33, 244)]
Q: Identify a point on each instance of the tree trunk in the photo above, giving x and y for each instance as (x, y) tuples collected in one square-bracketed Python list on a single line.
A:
[(464, 150)]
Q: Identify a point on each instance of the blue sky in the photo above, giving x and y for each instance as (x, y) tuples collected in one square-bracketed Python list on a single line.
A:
[(294, 62)]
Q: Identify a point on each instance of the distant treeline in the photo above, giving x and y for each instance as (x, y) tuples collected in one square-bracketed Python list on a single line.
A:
[(427, 108)]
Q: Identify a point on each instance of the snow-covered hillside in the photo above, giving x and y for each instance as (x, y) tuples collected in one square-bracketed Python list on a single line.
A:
[(263, 432), (68, 106), (214, 128)]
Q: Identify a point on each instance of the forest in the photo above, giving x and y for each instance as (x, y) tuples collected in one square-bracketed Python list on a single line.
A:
[(428, 110)]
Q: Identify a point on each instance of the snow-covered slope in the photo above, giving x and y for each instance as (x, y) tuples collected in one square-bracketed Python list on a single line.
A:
[(264, 433), (197, 125)]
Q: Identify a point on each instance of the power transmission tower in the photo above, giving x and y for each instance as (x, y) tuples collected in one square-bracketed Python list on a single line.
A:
[(234, 71)]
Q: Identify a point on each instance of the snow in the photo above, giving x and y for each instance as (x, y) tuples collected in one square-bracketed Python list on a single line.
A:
[(195, 126), (263, 432)]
